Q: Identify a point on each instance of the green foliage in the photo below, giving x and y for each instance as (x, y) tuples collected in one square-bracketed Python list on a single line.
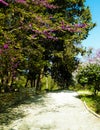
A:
[(48, 84), (90, 75), (20, 82), (64, 60), (38, 38), (93, 102)]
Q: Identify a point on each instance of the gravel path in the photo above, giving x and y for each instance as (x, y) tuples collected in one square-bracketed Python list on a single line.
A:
[(53, 111)]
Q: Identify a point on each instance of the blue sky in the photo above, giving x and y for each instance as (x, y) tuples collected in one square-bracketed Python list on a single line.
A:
[(93, 40)]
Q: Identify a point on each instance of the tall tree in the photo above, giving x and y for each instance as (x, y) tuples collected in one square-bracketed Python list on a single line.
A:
[(47, 29), (22, 25), (76, 22)]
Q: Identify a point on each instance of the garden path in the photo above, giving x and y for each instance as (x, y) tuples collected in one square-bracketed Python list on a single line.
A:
[(52, 111)]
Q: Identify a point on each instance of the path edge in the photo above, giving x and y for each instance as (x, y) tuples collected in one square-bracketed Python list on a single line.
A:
[(95, 114)]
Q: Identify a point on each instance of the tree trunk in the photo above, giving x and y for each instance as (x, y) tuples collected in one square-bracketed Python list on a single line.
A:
[(38, 87), (1, 83), (34, 82), (31, 81), (11, 86), (0, 88), (26, 82), (95, 92), (6, 88)]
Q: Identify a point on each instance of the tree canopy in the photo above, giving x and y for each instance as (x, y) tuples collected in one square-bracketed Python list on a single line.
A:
[(40, 37)]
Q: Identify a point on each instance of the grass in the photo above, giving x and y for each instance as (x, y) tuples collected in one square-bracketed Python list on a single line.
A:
[(93, 102)]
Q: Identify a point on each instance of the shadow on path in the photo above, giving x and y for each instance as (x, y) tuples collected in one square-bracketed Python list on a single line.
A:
[(16, 112)]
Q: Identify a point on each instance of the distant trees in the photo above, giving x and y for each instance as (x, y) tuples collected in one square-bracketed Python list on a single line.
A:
[(89, 74)]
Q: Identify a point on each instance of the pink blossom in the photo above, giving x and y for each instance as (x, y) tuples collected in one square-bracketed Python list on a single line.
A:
[(50, 16), (50, 37), (79, 31), (45, 3), (80, 25), (63, 27), (5, 46), (30, 25), (33, 36), (15, 65), (98, 53), (21, 1), (3, 2), (69, 29), (90, 60)]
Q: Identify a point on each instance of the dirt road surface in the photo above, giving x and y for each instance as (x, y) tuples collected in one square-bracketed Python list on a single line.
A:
[(52, 111)]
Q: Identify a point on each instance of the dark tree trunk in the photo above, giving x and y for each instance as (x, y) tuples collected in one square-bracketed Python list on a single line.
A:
[(6, 89), (31, 81), (34, 82), (12, 88), (95, 91), (38, 87), (0, 88), (26, 82)]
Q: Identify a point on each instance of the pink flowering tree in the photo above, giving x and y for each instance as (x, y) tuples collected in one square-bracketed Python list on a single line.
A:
[(36, 32), (94, 57)]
